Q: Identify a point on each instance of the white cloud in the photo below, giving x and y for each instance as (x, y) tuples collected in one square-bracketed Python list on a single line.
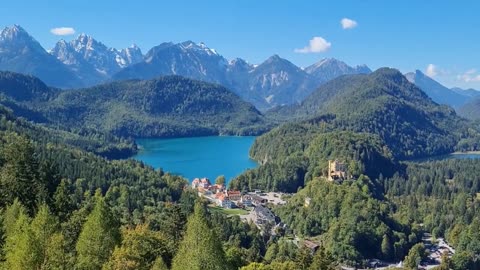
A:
[(431, 70), (348, 23), (62, 31), (316, 45), (469, 76)]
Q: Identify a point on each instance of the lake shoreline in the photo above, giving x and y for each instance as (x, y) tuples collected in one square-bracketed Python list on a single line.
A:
[(466, 153), (453, 155)]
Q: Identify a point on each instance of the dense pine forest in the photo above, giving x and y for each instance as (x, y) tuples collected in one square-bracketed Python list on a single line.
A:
[(65, 208), (69, 202)]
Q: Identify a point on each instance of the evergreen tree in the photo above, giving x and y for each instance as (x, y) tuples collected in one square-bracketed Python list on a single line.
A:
[(159, 264), (62, 201), (56, 257), (462, 260), (303, 258), (99, 236), (414, 257), (35, 244), (10, 216), (255, 266), (200, 248), (322, 260), (235, 257), (71, 230), (387, 247), (272, 253), (140, 248), (19, 175), (220, 180), (20, 248), (446, 263), (43, 227)]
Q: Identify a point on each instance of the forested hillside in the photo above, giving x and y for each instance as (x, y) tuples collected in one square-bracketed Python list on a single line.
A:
[(65, 208), (388, 119), (383, 103), (353, 223), (302, 156), (102, 144), (164, 107)]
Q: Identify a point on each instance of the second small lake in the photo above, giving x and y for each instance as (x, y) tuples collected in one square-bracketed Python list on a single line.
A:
[(468, 155), (198, 156)]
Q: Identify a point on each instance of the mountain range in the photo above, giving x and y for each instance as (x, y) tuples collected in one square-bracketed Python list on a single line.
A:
[(20, 52), (471, 110), (84, 62), (91, 60), (454, 97)]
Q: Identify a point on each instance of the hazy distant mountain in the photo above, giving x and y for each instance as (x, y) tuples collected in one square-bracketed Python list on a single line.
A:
[(471, 110), (436, 91), (467, 92), (20, 52), (92, 60), (330, 68)]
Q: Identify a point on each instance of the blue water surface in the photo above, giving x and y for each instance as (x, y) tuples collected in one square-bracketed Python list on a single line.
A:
[(198, 156)]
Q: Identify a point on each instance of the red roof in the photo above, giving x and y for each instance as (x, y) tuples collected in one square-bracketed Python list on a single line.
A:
[(222, 197)]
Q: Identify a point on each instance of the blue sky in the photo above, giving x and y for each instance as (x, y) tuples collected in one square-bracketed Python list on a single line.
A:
[(407, 35)]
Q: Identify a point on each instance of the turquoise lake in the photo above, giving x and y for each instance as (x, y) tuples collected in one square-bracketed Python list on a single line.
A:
[(199, 156)]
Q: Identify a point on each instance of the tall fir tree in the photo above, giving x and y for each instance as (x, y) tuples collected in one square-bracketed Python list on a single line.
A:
[(387, 247), (20, 247), (200, 248), (55, 253), (43, 227), (159, 264), (140, 249), (322, 260), (100, 234), (414, 257), (62, 201), (19, 175)]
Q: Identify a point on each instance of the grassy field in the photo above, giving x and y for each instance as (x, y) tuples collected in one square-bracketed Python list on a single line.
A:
[(235, 211)]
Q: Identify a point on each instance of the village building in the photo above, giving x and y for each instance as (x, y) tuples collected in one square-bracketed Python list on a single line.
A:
[(234, 195), (195, 183), (216, 188), (257, 200), (312, 246), (204, 191), (222, 200), (263, 215), (336, 170), (247, 200), (205, 183)]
